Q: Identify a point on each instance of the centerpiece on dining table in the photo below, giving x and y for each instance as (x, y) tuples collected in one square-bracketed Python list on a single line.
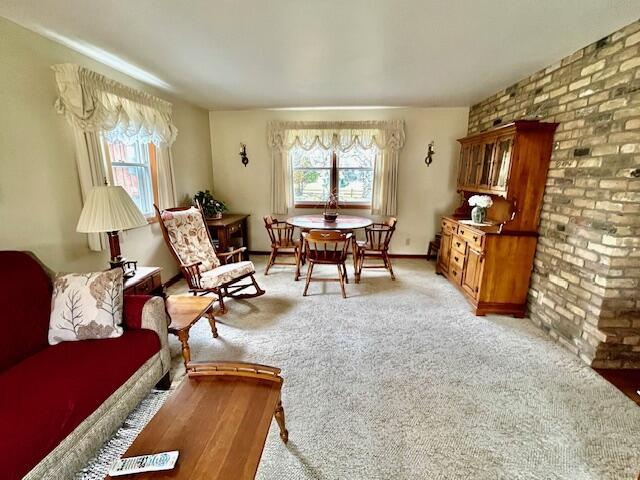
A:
[(330, 213)]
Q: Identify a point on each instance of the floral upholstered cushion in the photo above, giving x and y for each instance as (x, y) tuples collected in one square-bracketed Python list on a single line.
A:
[(86, 306), (226, 273), (188, 235)]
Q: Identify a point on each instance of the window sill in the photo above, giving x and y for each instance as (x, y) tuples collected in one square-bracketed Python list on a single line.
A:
[(340, 206)]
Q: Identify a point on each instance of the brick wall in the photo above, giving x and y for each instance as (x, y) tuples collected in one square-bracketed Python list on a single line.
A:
[(585, 288)]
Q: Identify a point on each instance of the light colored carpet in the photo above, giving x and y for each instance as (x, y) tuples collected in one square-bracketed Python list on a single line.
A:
[(401, 381)]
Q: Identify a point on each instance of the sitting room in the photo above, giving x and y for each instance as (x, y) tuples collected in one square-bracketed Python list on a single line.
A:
[(320, 240)]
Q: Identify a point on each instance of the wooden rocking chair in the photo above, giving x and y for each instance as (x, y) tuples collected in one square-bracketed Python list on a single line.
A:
[(189, 240)]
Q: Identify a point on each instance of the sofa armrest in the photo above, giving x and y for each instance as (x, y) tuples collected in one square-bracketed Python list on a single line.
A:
[(144, 311)]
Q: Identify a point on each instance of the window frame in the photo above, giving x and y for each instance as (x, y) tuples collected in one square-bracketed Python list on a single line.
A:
[(153, 173), (333, 179)]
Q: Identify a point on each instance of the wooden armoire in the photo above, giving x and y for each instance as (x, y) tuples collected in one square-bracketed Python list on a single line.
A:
[(491, 264)]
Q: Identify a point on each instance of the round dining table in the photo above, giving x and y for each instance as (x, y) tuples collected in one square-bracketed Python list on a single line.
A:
[(344, 223), (317, 222)]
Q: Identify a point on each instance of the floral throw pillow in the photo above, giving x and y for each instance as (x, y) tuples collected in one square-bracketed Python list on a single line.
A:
[(86, 306)]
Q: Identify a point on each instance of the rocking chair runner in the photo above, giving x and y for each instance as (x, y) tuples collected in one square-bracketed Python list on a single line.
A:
[(205, 271), (376, 246)]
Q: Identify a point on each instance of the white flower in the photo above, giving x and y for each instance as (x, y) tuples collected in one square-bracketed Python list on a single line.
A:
[(483, 201)]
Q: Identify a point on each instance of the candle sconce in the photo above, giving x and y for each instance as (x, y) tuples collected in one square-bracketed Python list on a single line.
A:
[(243, 154), (430, 153)]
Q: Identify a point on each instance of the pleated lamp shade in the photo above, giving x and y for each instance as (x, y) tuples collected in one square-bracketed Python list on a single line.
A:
[(109, 209)]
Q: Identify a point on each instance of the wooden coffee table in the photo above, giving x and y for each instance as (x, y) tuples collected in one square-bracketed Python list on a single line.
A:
[(184, 312), (218, 420)]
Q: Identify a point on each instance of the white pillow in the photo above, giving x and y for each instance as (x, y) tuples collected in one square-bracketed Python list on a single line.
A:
[(85, 306)]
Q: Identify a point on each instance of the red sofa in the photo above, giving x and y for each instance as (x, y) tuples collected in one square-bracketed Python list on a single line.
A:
[(49, 392)]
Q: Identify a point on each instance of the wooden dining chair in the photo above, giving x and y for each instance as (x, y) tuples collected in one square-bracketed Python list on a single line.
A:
[(327, 247), (282, 243), (376, 245)]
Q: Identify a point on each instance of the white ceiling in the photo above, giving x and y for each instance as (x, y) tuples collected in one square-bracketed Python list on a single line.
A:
[(233, 54)]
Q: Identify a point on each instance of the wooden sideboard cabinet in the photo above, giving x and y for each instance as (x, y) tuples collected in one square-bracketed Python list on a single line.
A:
[(491, 264)]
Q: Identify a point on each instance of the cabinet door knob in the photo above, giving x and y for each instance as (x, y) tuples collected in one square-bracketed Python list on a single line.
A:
[(475, 238)]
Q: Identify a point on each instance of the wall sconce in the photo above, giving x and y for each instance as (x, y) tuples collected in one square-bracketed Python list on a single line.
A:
[(430, 153), (243, 154)]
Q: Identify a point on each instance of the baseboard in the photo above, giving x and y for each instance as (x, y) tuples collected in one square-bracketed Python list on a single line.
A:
[(392, 255), (175, 279), (409, 255)]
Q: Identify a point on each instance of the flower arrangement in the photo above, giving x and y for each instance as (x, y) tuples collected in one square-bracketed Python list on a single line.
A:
[(211, 207), (480, 203)]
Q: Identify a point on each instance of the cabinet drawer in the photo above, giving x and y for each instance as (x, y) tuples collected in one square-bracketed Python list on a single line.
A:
[(456, 274), (473, 237), (459, 245), (147, 285), (457, 259), (449, 227), (144, 287)]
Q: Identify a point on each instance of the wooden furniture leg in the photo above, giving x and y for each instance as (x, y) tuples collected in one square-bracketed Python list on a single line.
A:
[(221, 295), (183, 336), (341, 276), (387, 260), (279, 416), (355, 254), (212, 323), (272, 259), (306, 286), (298, 255)]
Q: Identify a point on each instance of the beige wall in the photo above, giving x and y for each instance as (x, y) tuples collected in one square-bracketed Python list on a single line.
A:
[(425, 193), (40, 197)]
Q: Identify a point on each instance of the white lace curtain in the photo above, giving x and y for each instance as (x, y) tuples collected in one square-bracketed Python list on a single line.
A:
[(387, 136), (97, 106)]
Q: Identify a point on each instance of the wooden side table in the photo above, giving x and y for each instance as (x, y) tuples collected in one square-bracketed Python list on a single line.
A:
[(146, 281), (229, 226), (184, 312)]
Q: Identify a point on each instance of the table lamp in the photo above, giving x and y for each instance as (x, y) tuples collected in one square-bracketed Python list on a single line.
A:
[(110, 209)]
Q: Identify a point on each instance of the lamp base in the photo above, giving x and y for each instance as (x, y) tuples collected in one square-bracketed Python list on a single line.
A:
[(117, 261)]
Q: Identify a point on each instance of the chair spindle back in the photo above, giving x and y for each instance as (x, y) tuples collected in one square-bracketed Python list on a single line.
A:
[(280, 233), (379, 234), (327, 245)]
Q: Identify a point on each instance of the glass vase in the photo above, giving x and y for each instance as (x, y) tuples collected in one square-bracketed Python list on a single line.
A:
[(478, 214)]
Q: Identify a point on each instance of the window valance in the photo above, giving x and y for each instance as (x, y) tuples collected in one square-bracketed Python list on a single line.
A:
[(339, 136), (95, 103)]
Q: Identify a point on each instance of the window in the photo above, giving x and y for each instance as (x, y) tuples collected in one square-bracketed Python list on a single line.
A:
[(134, 169), (318, 172)]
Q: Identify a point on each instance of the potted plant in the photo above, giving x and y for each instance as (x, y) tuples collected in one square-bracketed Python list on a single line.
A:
[(480, 203), (211, 207)]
